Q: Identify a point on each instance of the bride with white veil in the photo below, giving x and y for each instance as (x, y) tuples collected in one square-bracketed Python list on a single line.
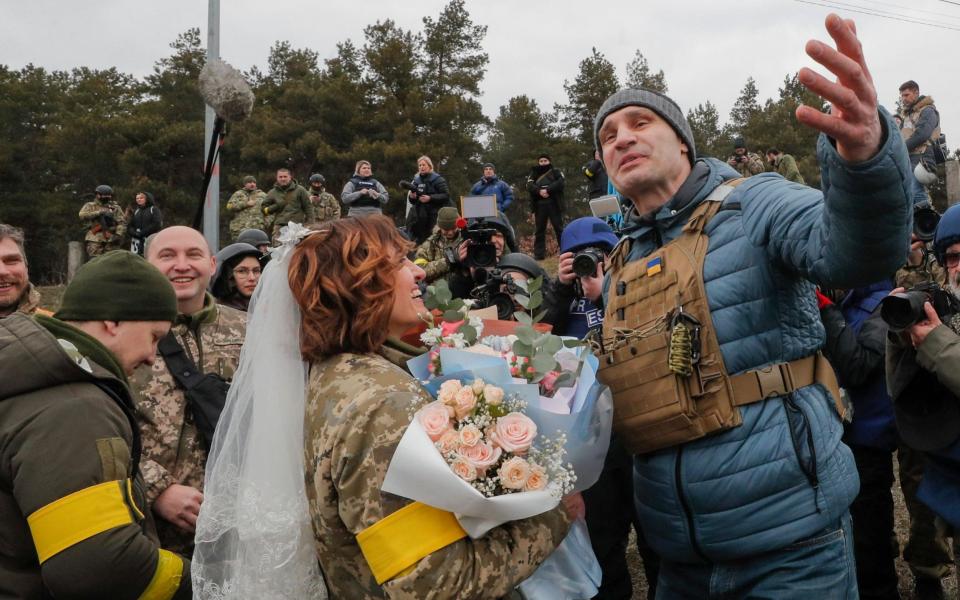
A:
[(314, 415), (254, 538)]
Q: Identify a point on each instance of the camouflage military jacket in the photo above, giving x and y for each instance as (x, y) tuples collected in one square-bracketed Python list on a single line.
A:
[(325, 206), (752, 166), (928, 271), (173, 450), (358, 407), (103, 230), (30, 302), (430, 254), (245, 216)]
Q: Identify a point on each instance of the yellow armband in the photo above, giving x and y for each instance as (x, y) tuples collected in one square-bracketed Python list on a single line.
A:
[(401, 539), (421, 262)]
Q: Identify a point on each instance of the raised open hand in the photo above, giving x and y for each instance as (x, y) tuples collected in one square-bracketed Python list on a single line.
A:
[(853, 120)]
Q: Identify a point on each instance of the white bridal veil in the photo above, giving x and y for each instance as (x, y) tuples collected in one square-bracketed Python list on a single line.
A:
[(254, 538)]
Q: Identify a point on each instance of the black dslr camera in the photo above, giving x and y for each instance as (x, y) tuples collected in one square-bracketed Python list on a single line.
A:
[(585, 261), (925, 221), (417, 188), (481, 252), (488, 292), (905, 309)]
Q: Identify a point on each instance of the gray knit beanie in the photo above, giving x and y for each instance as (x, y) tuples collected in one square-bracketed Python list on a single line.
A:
[(655, 101)]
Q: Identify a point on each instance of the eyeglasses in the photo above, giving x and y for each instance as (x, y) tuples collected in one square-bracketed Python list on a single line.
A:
[(951, 259), (245, 272)]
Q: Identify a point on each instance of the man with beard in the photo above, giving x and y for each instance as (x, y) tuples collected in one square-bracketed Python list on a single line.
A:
[(545, 185), (204, 343), (17, 294)]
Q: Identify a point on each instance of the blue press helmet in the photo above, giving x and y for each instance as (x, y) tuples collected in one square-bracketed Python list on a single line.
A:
[(948, 232), (587, 231)]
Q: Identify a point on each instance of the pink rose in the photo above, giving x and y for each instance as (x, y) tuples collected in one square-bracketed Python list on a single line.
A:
[(448, 442), (448, 391), (514, 473), (515, 432), (464, 402), (549, 381), (482, 455), (492, 395), (450, 327), (435, 419), (470, 435), (537, 480), (464, 469)]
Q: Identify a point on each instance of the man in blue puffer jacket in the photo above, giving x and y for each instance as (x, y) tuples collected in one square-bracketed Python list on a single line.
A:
[(761, 510)]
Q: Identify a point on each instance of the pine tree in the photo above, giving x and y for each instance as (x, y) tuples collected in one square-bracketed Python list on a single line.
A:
[(639, 75), (595, 81)]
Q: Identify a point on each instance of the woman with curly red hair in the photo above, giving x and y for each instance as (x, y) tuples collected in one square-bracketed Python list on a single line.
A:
[(355, 287)]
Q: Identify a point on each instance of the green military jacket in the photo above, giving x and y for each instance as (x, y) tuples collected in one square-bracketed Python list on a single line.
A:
[(358, 407), (430, 254), (290, 203), (74, 522), (246, 206), (786, 166), (325, 206), (173, 450), (102, 229)]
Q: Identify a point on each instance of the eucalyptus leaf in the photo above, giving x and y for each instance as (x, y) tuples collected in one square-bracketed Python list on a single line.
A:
[(526, 334), (521, 349), (574, 343), (552, 344), (540, 316), (469, 333), (452, 316), (535, 284), (522, 284), (522, 300), (543, 362), (455, 304), (536, 299), (523, 318), (566, 379)]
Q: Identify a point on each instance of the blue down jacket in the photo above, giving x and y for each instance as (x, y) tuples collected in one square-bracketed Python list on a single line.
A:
[(784, 474)]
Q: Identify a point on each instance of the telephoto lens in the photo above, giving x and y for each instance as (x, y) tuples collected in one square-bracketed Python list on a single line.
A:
[(585, 262), (903, 309)]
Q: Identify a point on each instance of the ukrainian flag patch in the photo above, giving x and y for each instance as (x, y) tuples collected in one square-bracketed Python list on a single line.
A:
[(654, 266)]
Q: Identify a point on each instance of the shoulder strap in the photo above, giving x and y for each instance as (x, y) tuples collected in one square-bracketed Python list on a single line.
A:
[(183, 369)]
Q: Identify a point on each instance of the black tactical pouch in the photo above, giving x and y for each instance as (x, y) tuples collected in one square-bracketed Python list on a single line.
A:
[(206, 393)]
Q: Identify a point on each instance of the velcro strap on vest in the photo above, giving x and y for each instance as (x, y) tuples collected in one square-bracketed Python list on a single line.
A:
[(401, 539), (166, 577), (77, 517), (783, 378)]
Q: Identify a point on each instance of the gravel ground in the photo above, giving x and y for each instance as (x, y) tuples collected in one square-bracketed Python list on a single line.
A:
[(902, 526)]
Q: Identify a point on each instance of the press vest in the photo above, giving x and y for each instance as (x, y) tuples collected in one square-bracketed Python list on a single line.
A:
[(367, 183)]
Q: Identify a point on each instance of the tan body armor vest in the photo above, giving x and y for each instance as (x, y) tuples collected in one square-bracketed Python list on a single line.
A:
[(909, 125), (659, 352)]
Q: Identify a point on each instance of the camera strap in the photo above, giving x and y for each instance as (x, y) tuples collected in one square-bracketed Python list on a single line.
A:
[(205, 399)]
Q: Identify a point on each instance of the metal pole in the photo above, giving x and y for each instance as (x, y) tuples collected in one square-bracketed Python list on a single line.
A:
[(211, 207)]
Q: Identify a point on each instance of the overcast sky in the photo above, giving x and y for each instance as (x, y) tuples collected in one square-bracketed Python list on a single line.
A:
[(707, 48)]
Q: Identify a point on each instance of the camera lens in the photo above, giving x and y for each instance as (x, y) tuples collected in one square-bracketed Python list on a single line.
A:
[(902, 310), (482, 255), (925, 222), (504, 304), (585, 264)]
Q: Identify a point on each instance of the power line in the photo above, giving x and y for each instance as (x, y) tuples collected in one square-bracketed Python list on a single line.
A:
[(950, 2), (879, 12), (910, 8), (875, 14)]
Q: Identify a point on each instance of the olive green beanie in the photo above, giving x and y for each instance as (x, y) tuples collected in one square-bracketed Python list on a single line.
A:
[(447, 218), (118, 286)]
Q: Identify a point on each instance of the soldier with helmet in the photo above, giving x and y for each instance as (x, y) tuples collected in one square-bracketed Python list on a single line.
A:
[(237, 275), (325, 206), (245, 205), (255, 237), (105, 221)]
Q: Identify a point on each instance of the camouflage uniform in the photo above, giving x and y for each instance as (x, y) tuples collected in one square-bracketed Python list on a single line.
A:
[(325, 206), (246, 216), (430, 254), (30, 302), (752, 166), (99, 240), (358, 407), (286, 204), (173, 450)]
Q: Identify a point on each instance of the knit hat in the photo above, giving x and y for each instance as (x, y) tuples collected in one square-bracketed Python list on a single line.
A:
[(489, 164), (249, 179), (118, 286), (544, 155), (447, 218), (738, 142), (655, 101)]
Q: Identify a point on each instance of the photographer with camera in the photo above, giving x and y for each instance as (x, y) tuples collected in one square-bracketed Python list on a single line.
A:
[(584, 247), (745, 162), (105, 221), (922, 378), (500, 286), (427, 193), (362, 194), (485, 241)]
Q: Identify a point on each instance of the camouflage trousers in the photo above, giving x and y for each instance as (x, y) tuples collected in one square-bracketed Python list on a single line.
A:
[(98, 248)]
